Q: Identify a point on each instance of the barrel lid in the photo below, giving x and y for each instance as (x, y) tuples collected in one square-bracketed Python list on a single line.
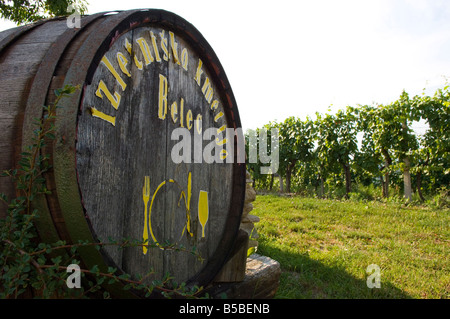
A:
[(148, 136)]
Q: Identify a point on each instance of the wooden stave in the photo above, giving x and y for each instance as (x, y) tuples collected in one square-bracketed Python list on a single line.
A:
[(61, 148)]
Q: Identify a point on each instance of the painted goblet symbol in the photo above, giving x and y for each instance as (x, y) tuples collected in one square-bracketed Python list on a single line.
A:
[(203, 210)]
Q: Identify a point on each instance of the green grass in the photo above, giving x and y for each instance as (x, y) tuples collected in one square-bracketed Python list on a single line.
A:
[(325, 246)]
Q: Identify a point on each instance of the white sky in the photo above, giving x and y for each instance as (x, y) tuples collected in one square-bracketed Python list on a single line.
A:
[(288, 58)]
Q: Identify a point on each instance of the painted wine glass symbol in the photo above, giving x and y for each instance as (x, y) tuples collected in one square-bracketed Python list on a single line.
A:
[(203, 210)]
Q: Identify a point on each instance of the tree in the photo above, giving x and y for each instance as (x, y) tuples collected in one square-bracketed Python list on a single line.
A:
[(368, 159), (336, 143), (296, 145), (253, 162), (406, 141), (347, 130), (260, 150), (26, 11), (380, 128), (434, 154), (319, 152), (324, 132), (388, 128)]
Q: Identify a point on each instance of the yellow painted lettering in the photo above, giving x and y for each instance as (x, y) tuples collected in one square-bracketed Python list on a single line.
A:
[(162, 101), (114, 99), (103, 116), (164, 46), (189, 120), (214, 105), (128, 46), (155, 47), (221, 129), (198, 73), (223, 154), (218, 116), (111, 69), (184, 59), (138, 63), (122, 60), (174, 46), (221, 142), (145, 50), (198, 120), (182, 112), (208, 90), (174, 112)]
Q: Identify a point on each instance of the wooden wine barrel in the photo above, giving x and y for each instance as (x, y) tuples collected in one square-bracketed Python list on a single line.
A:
[(122, 164)]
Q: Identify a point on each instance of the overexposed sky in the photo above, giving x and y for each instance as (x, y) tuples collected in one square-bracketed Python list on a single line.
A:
[(288, 58)]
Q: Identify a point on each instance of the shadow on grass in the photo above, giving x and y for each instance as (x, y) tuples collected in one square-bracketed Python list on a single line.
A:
[(305, 278)]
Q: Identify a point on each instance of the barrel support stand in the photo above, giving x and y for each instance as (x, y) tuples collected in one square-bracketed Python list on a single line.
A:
[(242, 277)]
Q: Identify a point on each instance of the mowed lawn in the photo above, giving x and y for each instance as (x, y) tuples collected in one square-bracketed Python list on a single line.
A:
[(325, 246)]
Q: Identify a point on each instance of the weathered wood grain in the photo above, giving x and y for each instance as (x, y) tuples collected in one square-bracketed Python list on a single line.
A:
[(114, 136), (19, 61), (140, 144)]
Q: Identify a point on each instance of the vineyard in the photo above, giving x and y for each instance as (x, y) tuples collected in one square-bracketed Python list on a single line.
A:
[(364, 152)]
